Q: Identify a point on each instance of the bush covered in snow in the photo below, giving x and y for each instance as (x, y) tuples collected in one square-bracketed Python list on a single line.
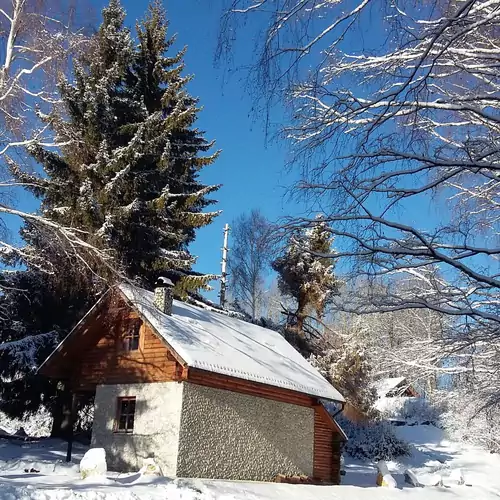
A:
[(35, 425), (412, 410), (373, 441)]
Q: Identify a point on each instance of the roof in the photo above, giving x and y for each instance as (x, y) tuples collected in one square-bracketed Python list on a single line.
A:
[(386, 385), (218, 343)]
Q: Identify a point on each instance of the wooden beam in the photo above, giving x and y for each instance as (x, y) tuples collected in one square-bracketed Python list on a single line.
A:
[(218, 381), (71, 424), (329, 420)]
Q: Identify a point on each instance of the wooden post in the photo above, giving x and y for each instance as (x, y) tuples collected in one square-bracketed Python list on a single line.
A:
[(223, 279), (71, 423)]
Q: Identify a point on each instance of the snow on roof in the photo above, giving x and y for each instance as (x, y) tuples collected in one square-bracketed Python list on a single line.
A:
[(385, 385), (221, 344)]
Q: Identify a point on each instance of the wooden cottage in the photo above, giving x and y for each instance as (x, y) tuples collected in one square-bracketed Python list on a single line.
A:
[(205, 394), (394, 387)]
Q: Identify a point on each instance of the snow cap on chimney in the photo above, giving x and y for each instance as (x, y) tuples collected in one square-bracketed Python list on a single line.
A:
[(164, 295)]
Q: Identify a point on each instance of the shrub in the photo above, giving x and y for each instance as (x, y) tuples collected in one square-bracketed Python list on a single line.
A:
[(373, 441), (412, 410)]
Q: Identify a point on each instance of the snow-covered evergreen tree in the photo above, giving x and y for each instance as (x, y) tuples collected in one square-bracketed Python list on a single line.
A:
[(125, 177), (55, 289), (128, 175), (348, 369), (38, 310), (153, 190), (304, 274)]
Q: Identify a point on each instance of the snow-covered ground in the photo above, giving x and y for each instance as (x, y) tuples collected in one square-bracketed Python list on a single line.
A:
[(36, 471)]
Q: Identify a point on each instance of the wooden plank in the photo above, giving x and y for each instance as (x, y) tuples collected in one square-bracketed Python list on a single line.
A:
[(218, 381), (323, 451), (327, 439), (148, 325), (94, 345), (105, 363)]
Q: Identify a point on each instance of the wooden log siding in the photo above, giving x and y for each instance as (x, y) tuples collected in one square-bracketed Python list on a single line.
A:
[(323, 452), (327, 447), (107, 363), (217, 381)]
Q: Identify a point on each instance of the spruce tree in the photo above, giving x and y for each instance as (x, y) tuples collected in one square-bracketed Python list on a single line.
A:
[(37, 311), (130, 170), (162, 199), (44, 301), (125, 177), (305, 273), (95, 105)]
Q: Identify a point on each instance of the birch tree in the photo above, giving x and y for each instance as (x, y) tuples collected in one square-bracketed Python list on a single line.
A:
[(394, 105), (37, 40), (249, 260)]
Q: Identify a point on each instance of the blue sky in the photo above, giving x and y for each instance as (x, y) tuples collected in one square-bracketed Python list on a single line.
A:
[(250, 168)]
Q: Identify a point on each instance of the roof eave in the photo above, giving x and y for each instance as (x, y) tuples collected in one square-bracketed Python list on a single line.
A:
[(72, 332)]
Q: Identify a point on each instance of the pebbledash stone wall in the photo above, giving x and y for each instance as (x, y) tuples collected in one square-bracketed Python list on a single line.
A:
[(156, 425), (229, 435)]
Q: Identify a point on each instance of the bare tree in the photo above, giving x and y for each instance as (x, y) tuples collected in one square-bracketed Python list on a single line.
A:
[(37, 40), (408, 342), (249, 260), (383, 128)]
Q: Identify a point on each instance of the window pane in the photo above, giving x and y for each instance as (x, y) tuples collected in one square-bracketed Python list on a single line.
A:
[(130, 425), (122, 423), (134, 344), (125, 406), (132, 406)]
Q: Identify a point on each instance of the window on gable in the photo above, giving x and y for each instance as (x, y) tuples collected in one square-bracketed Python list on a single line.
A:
[(132, 338), (125, 415)]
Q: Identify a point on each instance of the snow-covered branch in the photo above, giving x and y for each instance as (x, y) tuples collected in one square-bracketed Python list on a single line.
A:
[(399, 144), (36, 48)]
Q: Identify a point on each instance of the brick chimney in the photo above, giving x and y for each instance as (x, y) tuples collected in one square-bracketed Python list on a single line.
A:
[(164, 295)]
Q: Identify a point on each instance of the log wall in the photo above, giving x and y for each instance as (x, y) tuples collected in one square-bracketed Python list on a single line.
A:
[(107, 363), (217, 381)]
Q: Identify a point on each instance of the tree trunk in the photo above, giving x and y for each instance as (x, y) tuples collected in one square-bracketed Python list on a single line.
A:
[(301, 314), (61, 413)]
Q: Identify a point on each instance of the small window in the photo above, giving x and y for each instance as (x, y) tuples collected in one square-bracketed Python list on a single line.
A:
[(125, 415), (131, 338)]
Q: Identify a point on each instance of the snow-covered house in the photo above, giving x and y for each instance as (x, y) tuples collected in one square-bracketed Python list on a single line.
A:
[(394, 387), (398, 401), (205, 394)]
